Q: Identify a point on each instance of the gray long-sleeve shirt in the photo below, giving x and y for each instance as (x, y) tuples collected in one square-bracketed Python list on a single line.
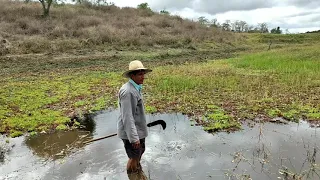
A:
[(132, 121)]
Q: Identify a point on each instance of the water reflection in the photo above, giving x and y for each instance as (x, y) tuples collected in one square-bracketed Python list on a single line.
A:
[(88, 123), (62, 143), (58, 145), (182, 151)]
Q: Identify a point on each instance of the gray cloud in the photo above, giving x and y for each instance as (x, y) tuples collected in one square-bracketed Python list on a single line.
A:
[(313, 21), (316, 19), (221, 6), (211, 7), (170, 4), (304, 3), (231, 5), (307, 16), (301, 14)]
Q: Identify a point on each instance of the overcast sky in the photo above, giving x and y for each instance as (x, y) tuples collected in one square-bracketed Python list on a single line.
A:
[(294, 15)]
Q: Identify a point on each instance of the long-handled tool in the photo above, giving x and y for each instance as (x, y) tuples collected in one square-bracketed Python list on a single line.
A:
[(154, 123)]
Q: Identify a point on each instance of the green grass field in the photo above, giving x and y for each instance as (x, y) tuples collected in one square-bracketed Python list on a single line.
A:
[(278, 83), (218, 94)]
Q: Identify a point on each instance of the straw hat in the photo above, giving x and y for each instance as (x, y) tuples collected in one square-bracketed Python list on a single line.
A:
[(135, 66)]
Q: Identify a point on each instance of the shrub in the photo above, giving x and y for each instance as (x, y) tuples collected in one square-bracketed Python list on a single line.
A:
[(34, 44)]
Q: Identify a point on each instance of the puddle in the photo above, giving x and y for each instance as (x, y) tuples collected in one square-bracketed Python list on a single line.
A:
[(265, 151)]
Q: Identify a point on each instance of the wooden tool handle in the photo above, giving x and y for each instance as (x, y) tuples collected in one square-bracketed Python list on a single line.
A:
[(161, 122), (104, 137)]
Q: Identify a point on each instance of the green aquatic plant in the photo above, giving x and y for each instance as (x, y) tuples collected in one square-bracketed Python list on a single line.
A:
[(216, 119), (292, 115), (61, 127), (150, 109)]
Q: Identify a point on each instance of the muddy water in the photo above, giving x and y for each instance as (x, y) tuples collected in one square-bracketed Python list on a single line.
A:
[(182, 151)]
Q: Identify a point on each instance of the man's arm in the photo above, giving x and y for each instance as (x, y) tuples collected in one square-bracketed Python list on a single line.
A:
[(128, 105)]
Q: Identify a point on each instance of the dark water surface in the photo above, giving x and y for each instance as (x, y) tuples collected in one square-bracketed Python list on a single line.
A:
[(182, 151)]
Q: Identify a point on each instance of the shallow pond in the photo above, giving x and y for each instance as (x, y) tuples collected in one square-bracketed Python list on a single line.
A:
[(182, 151)]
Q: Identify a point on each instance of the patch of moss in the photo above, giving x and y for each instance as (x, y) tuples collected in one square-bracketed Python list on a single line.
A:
[(61, 127), (76, 124), (217, 119), (80, 103), (33, 133), (211, 106), (100, 103), (313, 116), (292, 115), (31, 120), (274, 113), (5, 112), (150, 109), (14, 134), (311, 113)]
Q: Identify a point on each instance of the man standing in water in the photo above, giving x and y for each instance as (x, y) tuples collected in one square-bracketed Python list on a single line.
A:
[(132, 126)]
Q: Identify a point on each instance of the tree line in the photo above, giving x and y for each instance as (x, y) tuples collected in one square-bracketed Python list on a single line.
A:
[(239, 26), (236, 26)]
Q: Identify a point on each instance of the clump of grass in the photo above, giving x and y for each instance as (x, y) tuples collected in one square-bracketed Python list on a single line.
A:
[(216, 120), (150, 109), (292, 115), (15, 133), (101, 103), (61, 127), (274, 113)]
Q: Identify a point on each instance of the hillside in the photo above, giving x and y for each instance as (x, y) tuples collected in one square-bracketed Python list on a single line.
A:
[(78, 27)]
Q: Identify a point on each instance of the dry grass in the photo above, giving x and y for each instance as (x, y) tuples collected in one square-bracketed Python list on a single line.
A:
[(90, 26)]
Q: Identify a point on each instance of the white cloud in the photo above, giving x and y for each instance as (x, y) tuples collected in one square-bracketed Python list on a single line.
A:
[(295, 15)]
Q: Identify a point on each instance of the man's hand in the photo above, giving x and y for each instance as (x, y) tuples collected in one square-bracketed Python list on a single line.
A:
[(136, 145)]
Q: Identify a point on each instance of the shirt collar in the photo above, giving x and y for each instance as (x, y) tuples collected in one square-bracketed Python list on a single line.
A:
[(137, 86)]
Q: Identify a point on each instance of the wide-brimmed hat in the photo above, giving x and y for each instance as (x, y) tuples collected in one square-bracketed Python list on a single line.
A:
[(135, 66)]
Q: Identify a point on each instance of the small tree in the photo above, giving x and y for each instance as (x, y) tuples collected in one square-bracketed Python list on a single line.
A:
[(276, 30), (243, 26), (46, 4), (203, 20), (263, 27), (287, 31), (226, 25), (165, 12), (144, 6), (214, 23)]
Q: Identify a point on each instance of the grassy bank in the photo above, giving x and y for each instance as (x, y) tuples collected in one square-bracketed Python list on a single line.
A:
[(217, 94)]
